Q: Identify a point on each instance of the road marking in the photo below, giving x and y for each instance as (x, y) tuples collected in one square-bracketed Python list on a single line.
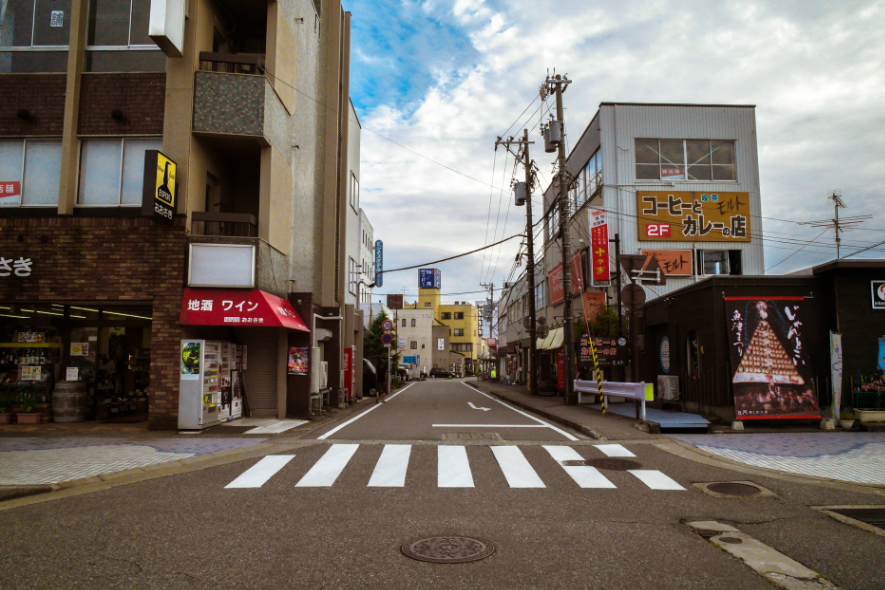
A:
[(390, 471), (614, 451), (257, 475), (454, 468), (538, 420), (655, 479), (329, 467), (355, 418), (480, 408), (489, 426), (274, 427), (516, 468), (584, 475)]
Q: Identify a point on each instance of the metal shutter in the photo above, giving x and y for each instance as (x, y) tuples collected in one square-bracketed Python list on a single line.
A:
[(261, 376)]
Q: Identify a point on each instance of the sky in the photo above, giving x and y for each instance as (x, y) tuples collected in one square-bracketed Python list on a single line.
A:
[(435, 82)]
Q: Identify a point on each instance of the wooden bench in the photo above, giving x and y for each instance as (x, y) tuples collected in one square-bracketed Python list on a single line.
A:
[(640, 392)]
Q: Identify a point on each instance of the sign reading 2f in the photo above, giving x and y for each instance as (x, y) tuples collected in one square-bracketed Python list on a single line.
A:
[(429, 278), (379, 263)]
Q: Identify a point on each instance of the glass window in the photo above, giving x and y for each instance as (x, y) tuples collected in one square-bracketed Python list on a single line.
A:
[(690, 159), (12, 155), (112, 170), (19, 29), (447, 315), (404, 323), (354, 192), (114, 27), (30, 171), (713, 262), (459, 331), (52, 24), (413, 323), (459, 315), (414, 345)]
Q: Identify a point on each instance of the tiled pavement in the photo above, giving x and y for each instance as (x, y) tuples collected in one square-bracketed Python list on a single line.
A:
[(853, 457), (34, 461)]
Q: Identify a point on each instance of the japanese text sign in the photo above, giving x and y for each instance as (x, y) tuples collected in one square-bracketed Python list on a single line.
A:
[(609, 351), (429, 278), (238, 307), (20, 267), (599, 259), (693, 216), (10, 193), (158, 192), (557, 295), (673, 263), (379, 263), (593, 303)]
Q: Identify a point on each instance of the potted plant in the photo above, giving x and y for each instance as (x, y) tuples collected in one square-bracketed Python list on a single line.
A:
[(5, 404), (28, 401), (846, 419), (869, 398)]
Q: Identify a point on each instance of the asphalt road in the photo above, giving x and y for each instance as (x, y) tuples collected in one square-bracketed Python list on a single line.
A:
[(318, 518)]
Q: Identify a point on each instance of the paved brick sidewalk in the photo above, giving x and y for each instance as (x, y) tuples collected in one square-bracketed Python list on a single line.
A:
[(35, 461), (847, 456)]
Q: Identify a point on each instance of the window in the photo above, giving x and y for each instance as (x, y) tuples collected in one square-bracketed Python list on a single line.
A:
[(413, 323), (446, 315), (459, 331), (29, 44), (422, 345), (112, 170), (30, 171), (354, 192), (117, 38), (428, 304), (404, 323), (588, 181), (414, 345), (685, 159), (719, 262), (541, 294), (353, 277), (552, 221)]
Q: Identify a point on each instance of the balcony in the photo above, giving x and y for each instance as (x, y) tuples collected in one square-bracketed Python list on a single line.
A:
[(224, 224)]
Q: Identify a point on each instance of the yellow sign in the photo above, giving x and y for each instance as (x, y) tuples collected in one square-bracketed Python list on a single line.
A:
[(686, 216), (165, 187)]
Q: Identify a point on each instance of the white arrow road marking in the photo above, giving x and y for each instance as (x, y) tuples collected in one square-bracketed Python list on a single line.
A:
[(479, 408)]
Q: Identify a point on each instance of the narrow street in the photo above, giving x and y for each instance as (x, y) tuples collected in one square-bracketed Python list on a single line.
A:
[(335, 509)]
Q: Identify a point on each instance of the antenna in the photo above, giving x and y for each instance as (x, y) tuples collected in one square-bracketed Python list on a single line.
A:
[(837, 225)]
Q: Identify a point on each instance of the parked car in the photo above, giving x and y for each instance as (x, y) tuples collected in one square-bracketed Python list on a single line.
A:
[(441, 374)]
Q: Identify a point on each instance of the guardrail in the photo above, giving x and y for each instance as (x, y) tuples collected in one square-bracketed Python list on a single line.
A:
[(232, 63), (224, 224), (641, 391)]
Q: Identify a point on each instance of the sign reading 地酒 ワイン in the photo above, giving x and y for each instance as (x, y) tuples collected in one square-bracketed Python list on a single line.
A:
[(685, 216)]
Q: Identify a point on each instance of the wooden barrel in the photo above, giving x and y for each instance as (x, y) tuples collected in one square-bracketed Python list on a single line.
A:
[(69, 401)]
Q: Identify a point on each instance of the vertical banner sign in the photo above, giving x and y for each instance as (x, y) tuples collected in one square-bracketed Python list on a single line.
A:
[(379, 263), (557, 292), (299, 359), (348, 371), (594, 303), (577, 274), (560, 370), (599, 248), (882, 353), (836, 371), (158, 189), (440, 343), (772, 375)]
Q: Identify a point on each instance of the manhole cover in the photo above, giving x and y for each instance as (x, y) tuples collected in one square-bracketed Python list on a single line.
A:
[(733, 489), (731, 540), (613, 464), (448, 549)]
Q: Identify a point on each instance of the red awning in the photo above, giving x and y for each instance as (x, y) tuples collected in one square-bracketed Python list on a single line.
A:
[(238, 307)]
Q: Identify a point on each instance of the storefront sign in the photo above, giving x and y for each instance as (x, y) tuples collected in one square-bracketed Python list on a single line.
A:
[(299, 359), (410, 360), (665, 354), (72, 374), (673, 263), (79, 349), (158, 191), (560, 370), (836, 371), (379, 263), (594, 304), (20, 267), (429, 278), (348, 371), (599, 249), (190, 360), (401, 342), (440, 343), (238, 307), (772, 375), (557, 294), (878, 288), (10, 193), (685, 216), (882, 353), (166, 25), (610, 352)]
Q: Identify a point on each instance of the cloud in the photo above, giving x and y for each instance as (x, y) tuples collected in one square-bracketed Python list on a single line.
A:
[(446, 78)]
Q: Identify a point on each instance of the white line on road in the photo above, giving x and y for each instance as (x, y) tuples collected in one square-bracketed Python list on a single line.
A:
[(355, 418), (390, 471), (516, 468), (489, 425), (328, 468), (584, 475), (480, 408), (547, 424), (257, 475), (275, 427), (614, 451), (453, 470), (655, 479)]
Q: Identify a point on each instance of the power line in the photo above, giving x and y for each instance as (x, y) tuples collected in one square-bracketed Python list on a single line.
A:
[(794, 253), (452, 257)]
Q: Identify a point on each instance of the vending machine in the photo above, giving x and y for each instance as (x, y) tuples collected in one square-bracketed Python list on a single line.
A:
[(200, 397)]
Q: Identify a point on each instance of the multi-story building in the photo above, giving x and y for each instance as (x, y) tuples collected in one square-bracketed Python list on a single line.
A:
[(234, 122), (414, 329), (367, 257)]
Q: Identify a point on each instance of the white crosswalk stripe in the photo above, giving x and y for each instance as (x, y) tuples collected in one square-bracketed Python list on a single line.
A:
[(584, 475), (453, 467), (516, 468), (329, 467), (390, 471)]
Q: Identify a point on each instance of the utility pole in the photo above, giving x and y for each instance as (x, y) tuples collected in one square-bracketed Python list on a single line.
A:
[(523, 153), (489, 316), (835, 196), (556, 85)]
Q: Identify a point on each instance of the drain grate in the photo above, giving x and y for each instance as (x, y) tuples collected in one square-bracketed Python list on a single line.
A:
[(731, 540), (871, 516), (733, 489), (448, 549), (472, 436), (611, 464)]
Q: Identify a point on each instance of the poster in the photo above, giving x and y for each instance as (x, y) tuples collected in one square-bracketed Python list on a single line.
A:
[(190, 360), (594, 304), (557, 295), (599, 256), (772, 375), (440, 343), (79, 349), (72, 374), (610, 351), (836, 371), (882, 353), (10, 193), (298, 360), (686, 216)]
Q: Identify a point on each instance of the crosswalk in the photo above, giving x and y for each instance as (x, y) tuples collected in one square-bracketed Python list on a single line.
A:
[(454, 468)]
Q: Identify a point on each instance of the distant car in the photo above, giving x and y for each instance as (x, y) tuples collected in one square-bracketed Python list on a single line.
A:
[(440, 374)]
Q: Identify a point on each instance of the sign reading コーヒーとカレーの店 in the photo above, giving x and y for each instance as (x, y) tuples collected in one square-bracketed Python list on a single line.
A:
[(684, 216)]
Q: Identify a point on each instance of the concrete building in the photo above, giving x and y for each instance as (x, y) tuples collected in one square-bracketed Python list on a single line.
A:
[(367, 257), (414, 328), (249, 107)]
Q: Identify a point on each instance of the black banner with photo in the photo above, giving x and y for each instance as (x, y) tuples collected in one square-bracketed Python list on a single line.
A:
[(772, 375), (610, 352)]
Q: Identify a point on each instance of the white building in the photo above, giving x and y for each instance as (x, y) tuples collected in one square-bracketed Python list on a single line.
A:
[(367, 257), (414, 328)]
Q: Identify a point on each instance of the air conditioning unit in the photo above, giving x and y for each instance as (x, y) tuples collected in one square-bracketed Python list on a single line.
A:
[(668, 387)]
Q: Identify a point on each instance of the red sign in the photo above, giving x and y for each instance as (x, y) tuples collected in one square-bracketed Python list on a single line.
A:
[(560, 370), (657, 230), (594, 303), (557, 294), (348, 371), (238, 307), (10, 193), (599, 246), (577, 274)]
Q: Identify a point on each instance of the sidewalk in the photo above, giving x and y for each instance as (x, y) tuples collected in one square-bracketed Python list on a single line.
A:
[(583, 419)]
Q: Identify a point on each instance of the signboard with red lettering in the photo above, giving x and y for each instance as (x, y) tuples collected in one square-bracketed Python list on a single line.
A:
[(10, 193), (560, 370), (348, 371), (687, 216), (610, 352), (238, 307), (557, 294), (673, 263), (599, 249)]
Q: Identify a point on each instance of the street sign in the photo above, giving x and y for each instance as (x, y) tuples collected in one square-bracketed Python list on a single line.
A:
[(379, 263), (632, 296), (386, 339), (387, 325)]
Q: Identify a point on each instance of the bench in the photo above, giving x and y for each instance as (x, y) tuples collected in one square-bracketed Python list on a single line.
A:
[(641, 392)]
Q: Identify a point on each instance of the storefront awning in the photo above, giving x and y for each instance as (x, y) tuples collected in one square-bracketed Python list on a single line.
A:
[(238, 307), (552, 341)]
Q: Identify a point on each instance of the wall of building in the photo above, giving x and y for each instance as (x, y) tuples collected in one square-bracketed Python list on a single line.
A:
[(42, 95)]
